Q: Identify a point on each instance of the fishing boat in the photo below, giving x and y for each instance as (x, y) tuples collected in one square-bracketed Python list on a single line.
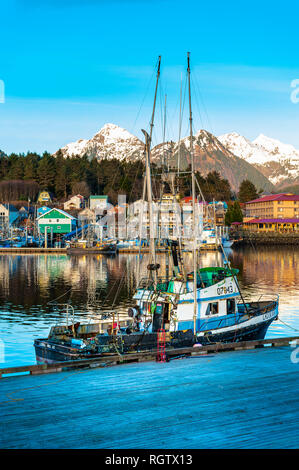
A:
[(131, 246), (200, 307), (84, 247), (227, 242)]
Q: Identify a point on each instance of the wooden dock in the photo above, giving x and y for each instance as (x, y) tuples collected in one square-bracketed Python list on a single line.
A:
[(237, 399), (26, 250), (143, 356)]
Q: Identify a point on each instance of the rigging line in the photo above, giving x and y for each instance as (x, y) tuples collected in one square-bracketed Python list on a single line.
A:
[(161, 111), (51, 302), (295, 329), (182, 108), (145, 95), (198, 106), (123, 275), (203, 104)]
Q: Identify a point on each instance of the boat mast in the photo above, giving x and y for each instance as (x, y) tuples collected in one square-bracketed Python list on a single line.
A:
[(193, 200), (147, 182), (180, 127), (149, 197), (164, 131)]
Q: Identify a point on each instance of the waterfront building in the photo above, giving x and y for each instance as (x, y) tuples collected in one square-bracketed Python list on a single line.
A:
[(86, 216), (272, 225), (56, 221), (75, 202), (8, 215), (44, 196), (273, 206), (42, 210), (99, 203)]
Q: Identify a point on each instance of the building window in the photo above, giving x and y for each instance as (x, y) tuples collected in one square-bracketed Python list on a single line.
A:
[(212, 308), (230, 306)]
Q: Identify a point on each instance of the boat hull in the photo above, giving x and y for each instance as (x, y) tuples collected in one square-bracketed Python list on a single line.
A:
[(255, 328), (243, 333)]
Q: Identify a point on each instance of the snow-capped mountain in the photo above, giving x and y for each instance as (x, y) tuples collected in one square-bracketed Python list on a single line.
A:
[(209, 154), (110, 142), (277, 161)]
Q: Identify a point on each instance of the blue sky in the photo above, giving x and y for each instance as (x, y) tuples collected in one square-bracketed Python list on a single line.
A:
[(71, 66)]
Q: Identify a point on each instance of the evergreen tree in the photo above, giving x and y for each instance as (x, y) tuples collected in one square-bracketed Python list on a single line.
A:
[(30, 166), (61, 180), (233, 214), (46, 172), (16, 167), (247, 191)]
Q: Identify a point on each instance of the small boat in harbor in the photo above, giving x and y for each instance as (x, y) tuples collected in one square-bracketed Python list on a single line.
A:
[(84, 248)]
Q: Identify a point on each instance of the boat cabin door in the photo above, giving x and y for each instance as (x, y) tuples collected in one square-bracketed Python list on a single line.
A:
[(161, 317)]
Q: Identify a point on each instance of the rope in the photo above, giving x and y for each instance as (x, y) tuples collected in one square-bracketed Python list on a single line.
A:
[(295, 329), (116, 349)]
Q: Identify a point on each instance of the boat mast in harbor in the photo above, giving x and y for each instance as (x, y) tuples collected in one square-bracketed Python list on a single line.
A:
[(193, 199), (147, 184)]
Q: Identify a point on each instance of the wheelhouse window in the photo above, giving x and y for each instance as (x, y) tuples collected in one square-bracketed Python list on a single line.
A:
[(213, 308), (230, 306)]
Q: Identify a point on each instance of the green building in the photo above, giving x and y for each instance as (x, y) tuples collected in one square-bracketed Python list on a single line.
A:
[(57, 221), (99, 203)]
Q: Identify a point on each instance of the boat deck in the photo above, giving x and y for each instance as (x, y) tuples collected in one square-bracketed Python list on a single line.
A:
[(237, 399)]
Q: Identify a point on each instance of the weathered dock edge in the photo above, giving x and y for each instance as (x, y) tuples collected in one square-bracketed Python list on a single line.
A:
[(27, 250), (110, 360)]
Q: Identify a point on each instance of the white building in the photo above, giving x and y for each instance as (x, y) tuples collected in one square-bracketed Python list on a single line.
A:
[(98, 203), (75, 202)]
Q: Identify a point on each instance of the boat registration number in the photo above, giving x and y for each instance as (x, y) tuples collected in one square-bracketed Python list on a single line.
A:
[(269, 315), (225, 290)]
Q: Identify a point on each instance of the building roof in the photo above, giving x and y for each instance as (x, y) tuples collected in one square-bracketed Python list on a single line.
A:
[(188, 199), (59, 210), (98, 197), (75, 195), (10, 207), (276, 197), (273, 221)]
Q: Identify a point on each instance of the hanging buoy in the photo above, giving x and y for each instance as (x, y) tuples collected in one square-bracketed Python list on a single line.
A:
[(153, 267)]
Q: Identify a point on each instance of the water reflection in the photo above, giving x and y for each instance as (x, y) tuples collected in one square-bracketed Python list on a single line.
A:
[(29, 282)]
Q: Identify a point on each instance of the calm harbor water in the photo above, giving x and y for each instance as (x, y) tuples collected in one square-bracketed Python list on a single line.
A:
[(29, 282)]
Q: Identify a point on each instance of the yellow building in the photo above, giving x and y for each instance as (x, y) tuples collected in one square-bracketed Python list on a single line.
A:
[(274, 206), (272, 225), (44, 196)]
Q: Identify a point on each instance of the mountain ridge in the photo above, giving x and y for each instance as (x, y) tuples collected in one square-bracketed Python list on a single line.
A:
[(210, 154), (277, 161)]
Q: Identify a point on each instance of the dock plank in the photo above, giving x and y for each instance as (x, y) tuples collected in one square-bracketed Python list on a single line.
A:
[(239, 399)]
